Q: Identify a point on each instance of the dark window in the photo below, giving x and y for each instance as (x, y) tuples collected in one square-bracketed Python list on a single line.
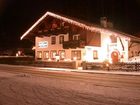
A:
[(113, 39), (53, 40), (76, 55), (61, 39), (93, 39)]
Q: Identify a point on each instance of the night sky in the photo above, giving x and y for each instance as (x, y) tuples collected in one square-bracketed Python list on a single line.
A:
[(16, 16)]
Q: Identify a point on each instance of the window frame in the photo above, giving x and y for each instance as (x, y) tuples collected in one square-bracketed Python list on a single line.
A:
[(53, 40), (78, 55), (39, 57), (61, 40), (44, 54), (59, 52), (51, 54), (76, 37)]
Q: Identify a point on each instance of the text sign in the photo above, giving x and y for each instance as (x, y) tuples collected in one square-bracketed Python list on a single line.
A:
[(43, 44)]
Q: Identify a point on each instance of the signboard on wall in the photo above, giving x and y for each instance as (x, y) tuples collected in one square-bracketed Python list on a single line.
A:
[(43, 44)]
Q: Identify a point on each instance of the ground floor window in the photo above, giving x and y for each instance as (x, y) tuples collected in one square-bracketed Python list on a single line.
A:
[(62, 54), (76, 55), (53, 54), (95, 54), (46, 54), (39, 54)]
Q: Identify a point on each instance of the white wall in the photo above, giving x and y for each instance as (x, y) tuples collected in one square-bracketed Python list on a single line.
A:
[(56, 47), (104, 52)]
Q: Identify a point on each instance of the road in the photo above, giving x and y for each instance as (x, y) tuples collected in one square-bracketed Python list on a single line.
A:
[(21, 85)]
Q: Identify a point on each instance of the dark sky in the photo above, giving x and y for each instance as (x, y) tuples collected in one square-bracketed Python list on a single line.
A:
[(16, 16)]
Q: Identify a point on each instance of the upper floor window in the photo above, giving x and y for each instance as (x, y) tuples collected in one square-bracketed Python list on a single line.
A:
[(76, 37), (61, 39), (113, 39), (53, 40)]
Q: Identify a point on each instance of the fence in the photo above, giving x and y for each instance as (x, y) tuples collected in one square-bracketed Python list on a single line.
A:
[(117, 66), (125, 66), (54, 64)]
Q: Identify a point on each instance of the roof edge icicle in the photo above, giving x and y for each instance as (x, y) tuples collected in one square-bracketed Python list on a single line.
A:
[(71, 21)]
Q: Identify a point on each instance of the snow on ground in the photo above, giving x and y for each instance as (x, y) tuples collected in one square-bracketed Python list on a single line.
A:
[(26, 89)]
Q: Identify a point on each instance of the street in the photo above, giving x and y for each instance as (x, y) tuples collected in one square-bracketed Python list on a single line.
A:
[(21, 85)]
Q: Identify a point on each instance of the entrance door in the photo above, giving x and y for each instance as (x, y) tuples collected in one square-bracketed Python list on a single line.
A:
[(115, 57)]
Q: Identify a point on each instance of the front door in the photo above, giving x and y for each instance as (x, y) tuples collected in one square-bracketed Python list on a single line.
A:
[(115, 57)]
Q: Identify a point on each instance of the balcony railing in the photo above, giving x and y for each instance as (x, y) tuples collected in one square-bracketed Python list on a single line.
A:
[(73, 44)]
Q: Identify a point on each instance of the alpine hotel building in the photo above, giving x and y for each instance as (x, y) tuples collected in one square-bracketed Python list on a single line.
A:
[(62, 39)]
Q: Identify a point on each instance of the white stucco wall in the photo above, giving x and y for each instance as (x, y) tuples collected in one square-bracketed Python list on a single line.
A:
[(56, 47), (104, 52)]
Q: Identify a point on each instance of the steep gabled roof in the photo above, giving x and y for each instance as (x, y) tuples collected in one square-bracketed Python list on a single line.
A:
[(78, 23)]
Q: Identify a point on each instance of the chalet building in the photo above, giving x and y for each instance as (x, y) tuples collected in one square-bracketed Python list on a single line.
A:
[(62, 39)]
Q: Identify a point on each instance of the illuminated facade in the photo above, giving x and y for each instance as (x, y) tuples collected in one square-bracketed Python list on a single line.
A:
[(58, 38)]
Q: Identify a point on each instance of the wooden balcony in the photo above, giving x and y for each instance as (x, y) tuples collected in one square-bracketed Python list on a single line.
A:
[(74, 44)]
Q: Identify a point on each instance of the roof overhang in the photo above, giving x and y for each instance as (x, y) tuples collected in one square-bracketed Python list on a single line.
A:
[(79, 24)]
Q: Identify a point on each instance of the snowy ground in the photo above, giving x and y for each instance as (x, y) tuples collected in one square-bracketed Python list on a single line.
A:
[(28, 89)]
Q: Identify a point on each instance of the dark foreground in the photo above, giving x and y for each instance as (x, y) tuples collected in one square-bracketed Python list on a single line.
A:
[(27, 86)]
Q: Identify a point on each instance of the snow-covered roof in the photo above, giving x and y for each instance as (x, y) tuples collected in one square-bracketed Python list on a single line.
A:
[(79, 24)]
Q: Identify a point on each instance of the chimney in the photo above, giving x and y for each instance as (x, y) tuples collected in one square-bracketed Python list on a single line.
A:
[(109, 24), (103, 22)]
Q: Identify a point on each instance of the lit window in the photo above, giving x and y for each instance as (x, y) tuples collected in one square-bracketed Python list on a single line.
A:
[(39, 55), (53, 54), (53, 40), (76, 55), (62, 54), (46, 54), (95, 54), (61, 39)]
